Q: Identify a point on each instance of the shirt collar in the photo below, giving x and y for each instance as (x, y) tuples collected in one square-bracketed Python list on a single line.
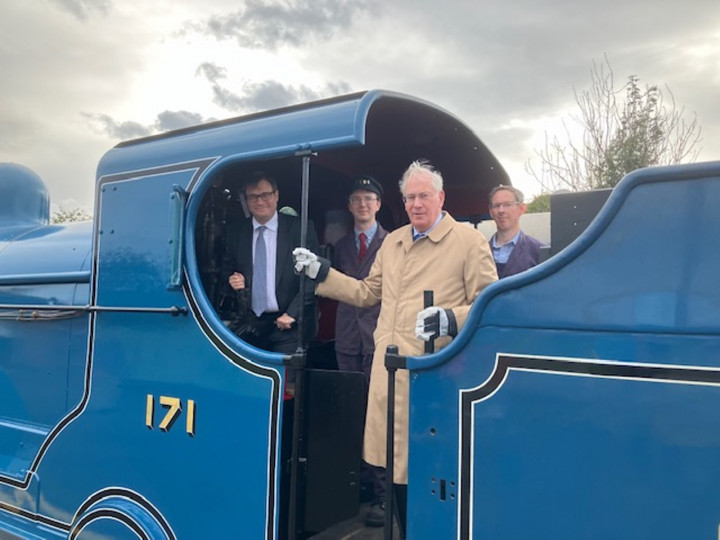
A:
[(426, 233), (513, 241), (271, 224), (369, 233)]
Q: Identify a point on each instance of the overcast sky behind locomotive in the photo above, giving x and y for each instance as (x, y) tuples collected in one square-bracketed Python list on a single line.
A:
[(78, 76)]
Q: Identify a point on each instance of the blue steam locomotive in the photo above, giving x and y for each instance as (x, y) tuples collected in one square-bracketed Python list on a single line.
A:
[(577, 402)]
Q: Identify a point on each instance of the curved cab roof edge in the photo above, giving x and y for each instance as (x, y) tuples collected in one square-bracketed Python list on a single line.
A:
[(325, 124)]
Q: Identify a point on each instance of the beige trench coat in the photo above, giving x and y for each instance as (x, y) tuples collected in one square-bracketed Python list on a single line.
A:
[(455, 262)]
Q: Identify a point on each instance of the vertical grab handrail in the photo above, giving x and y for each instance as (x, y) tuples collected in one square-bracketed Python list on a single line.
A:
[(393, 362), (297, 362), (178, 200), (304, 197), (428, 300), (391, 357)]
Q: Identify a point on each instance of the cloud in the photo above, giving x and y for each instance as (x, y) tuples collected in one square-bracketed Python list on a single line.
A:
[(170, 120), (270, 25), (105, 124), (211, 72), (504, 68), (272, 94), (84, 9), (227, 99), (264, 95), (252, 97), (123, 130)]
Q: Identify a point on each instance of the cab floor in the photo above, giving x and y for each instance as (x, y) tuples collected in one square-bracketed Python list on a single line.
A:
[(355, 529)]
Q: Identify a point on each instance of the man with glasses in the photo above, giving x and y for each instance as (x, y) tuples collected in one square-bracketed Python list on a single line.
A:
[(261, 252), (354, 326), (433, 252), (513, 250)]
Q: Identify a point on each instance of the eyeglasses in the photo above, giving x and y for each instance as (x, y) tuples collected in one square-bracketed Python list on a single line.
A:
[(265, 196), (503, 205), (368, 199), (423, 197)]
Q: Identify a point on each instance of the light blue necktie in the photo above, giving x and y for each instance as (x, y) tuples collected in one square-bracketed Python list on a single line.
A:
[(259, 286)]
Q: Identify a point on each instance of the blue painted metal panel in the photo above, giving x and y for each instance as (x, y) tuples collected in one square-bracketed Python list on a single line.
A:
[(51, 253), (580, 456), (139, 355), (134, 254), (42, 352), (136, 355), (24, 200), (578, 401)]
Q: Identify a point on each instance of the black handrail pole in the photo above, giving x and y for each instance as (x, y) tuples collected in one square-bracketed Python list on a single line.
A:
[(298, 364), (304, 196), (390, 446), (393, 361), (427, 302)]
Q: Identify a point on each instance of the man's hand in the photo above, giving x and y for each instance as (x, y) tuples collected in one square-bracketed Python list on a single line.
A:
[(433, 322), (237, 281), (306, 261), (284, 322)]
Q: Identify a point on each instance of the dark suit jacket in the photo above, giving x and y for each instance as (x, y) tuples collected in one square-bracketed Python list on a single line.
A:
[(287, 283), (354, 326)]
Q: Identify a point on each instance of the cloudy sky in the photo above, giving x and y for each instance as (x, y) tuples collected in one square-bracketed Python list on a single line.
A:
[(78, 76)]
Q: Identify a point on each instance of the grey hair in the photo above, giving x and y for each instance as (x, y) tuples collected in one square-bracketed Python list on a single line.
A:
[(519, 197), (422, 167)]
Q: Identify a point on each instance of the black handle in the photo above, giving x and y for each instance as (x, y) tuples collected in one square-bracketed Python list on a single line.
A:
[(428, 300)]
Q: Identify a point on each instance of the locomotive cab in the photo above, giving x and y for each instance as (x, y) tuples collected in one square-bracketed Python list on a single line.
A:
[(394, 133), (140, 407)]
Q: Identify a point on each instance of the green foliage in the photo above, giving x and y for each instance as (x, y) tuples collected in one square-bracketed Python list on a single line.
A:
[(617, 135), (639, 139), (541, 203), (66, 216)]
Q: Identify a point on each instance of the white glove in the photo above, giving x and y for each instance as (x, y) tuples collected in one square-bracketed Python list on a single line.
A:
[(433, 322), (306, 261)]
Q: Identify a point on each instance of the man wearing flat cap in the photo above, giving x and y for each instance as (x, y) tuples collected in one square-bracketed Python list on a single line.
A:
[(354, 326)]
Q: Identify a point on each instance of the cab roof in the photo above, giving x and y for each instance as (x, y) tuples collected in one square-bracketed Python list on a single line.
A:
[(374, 132)]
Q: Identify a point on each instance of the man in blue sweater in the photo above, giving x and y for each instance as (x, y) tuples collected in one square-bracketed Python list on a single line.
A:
[(513, 250)]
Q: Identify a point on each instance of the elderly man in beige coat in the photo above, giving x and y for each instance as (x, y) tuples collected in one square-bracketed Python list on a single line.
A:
[(434, 252)]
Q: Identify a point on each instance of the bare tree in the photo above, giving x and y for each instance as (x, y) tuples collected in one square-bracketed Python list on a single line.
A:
[(615, 132)]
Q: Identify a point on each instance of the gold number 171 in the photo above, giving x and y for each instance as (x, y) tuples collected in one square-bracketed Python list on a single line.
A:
[(174, 408)]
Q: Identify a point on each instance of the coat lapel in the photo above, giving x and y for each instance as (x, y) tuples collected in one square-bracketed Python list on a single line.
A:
[(283, 247), (372, 248), (244, 247)]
